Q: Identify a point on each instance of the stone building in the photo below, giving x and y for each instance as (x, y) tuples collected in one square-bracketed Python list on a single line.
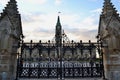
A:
[(109, 34), (10, 35)]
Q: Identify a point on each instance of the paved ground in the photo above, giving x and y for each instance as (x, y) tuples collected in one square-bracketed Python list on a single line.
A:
[(65, 79)]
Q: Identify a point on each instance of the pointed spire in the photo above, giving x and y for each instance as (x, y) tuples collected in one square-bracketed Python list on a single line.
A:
[(11, 8), (58, 22), (58, 34), (11, 11), (109, 8)]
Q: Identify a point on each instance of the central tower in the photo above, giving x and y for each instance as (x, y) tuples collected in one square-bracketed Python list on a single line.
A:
[(58, 33)]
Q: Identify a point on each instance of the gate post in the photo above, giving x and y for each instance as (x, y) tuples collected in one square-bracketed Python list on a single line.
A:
[(9, 61), (111, 59)]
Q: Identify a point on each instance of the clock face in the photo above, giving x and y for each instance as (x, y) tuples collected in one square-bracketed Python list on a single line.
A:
[(58, 27)]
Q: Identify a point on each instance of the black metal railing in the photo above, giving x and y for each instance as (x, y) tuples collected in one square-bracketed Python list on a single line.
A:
[(71, 60)]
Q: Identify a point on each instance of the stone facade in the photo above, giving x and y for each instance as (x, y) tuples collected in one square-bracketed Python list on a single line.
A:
[(109, 34), (10, 34)]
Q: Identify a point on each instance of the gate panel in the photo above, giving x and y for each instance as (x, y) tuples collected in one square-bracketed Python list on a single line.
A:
[(71, 60)]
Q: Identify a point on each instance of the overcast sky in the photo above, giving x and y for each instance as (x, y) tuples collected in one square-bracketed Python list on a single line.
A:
[(79, 18)]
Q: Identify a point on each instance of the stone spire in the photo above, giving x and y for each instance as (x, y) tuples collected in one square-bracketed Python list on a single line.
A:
[(58, 35), (11, 11), (108, 8)]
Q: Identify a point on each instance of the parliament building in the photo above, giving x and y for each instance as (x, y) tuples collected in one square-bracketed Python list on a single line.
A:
[(59, 58)]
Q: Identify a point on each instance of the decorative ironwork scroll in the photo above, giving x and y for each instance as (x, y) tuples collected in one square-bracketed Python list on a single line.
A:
[(71, 60)]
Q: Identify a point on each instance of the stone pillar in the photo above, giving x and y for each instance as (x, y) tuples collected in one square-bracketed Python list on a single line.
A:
[(106, 61), (13, 65), (4, 63), (112, 64), (8, 60)]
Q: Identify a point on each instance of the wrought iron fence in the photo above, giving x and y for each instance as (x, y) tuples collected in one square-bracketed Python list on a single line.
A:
[(71, 60)]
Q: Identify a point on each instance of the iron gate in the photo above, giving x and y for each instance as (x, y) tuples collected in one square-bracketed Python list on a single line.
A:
[(71, 60)]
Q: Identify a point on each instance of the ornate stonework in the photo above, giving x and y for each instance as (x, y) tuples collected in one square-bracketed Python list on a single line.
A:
[(10, 34), (109, 34)]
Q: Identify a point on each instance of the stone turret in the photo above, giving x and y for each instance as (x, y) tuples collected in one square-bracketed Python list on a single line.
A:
[(10, 35), (109, 34)]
